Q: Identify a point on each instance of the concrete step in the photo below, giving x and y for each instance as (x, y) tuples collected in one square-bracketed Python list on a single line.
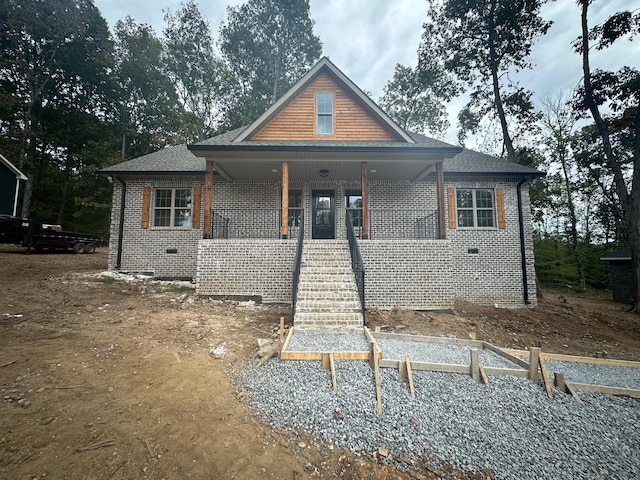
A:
[(324, 321), (338, 295), (327, 285), (327, 305)]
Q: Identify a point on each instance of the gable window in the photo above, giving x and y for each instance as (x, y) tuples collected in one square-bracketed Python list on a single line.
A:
[(324, 113), (475, 207), (172, 207)]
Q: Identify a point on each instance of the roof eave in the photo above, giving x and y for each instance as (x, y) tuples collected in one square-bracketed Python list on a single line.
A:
[(531, 175), (198, 150)]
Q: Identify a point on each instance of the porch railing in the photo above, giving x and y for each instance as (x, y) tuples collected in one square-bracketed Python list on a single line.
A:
[(357, 264), (296, 264), (403, 223), (253, 223)]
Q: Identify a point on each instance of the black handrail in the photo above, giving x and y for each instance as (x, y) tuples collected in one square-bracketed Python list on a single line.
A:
[(252, 223), (296, 264), (403, 223), (357, 264)]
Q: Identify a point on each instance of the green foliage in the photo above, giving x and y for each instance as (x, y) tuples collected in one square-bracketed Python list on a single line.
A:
[(479, 42), (416, 101), (198, 76), (150, 115), (556, 263), (267, 45)]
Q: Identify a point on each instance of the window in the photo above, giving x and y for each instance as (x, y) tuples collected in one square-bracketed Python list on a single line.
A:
[(324, 113), (353, 204), (172, 207), (295, 208), (475, 207)]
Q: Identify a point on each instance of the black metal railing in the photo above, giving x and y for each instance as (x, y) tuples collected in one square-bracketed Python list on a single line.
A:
[(253, 223), (296, 263), (403, 223), (357, 264)]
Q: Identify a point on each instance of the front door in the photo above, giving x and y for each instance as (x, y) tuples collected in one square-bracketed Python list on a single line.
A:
[(323, 205)]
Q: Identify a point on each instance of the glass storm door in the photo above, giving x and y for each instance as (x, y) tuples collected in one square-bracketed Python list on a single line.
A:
[(323, 204)]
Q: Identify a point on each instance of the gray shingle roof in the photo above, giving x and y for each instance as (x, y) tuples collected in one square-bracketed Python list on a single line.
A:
[(181, 160), (472, 162), (176, 159)]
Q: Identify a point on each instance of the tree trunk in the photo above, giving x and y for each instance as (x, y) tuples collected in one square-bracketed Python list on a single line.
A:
[(629, 201), (493, 65)]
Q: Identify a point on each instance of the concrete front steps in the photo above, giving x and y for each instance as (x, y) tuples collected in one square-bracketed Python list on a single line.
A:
[(327, 292)]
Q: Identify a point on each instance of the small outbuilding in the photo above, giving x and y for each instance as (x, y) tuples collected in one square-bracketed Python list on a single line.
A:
[(10, 178), (623, 282)]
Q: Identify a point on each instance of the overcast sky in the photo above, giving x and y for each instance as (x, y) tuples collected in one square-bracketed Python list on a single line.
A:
[(367, 38)]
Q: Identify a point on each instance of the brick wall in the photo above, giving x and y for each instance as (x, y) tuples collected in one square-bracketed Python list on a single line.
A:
[(246, 267), (487, 262), (491, 276), (145, 250), (413, 274)]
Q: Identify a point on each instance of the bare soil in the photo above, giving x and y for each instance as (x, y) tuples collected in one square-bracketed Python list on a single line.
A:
[(115, 380)]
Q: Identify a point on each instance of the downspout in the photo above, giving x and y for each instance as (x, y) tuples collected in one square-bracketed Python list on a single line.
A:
[(523, 250), (123, 197)]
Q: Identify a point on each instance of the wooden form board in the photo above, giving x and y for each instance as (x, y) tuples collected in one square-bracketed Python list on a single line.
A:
[(452, 368), (629, 392), (577, 359), (426, 339), (286, 354)]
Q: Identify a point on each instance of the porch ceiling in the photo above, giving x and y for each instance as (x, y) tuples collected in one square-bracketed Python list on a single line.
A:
[(309, 170)]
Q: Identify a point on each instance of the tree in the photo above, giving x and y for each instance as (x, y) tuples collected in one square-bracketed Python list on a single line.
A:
[(558, 131), (55, 56), (151, 115), (197, 74), (619, 130), (480, 42), (415, 102), (267, 45)]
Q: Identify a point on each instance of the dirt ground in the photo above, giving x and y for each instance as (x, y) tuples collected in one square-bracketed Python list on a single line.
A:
[(103, 379)]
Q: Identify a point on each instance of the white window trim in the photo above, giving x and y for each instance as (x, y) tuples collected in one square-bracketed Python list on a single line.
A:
[(475, 209), (172, 209), (332, 114)]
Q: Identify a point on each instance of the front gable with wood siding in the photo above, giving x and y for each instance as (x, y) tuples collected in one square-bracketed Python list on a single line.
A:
[(434, 222)]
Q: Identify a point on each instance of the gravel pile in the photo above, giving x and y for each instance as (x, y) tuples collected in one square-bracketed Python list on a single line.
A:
[(509, 426), (340, 342)]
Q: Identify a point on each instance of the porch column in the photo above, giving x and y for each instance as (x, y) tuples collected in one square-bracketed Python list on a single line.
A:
[(365, 201), (285, 200), (208, 198), (442, 229)]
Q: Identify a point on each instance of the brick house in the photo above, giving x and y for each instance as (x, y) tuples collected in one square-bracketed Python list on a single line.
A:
[(325, 183)]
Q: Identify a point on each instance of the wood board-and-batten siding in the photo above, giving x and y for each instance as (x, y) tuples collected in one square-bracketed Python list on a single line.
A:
[(297, 120)]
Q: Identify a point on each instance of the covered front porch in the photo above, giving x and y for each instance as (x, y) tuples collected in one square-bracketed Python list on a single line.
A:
[(373, 186)]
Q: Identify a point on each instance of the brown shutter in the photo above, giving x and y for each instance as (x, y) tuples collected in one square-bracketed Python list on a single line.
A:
[(195, 209), (146, 206), (502, 220), (451, 198)]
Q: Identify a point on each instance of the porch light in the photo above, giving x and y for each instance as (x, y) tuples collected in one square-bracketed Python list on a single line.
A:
[(374, 170), (274, 170), (324, 172)]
